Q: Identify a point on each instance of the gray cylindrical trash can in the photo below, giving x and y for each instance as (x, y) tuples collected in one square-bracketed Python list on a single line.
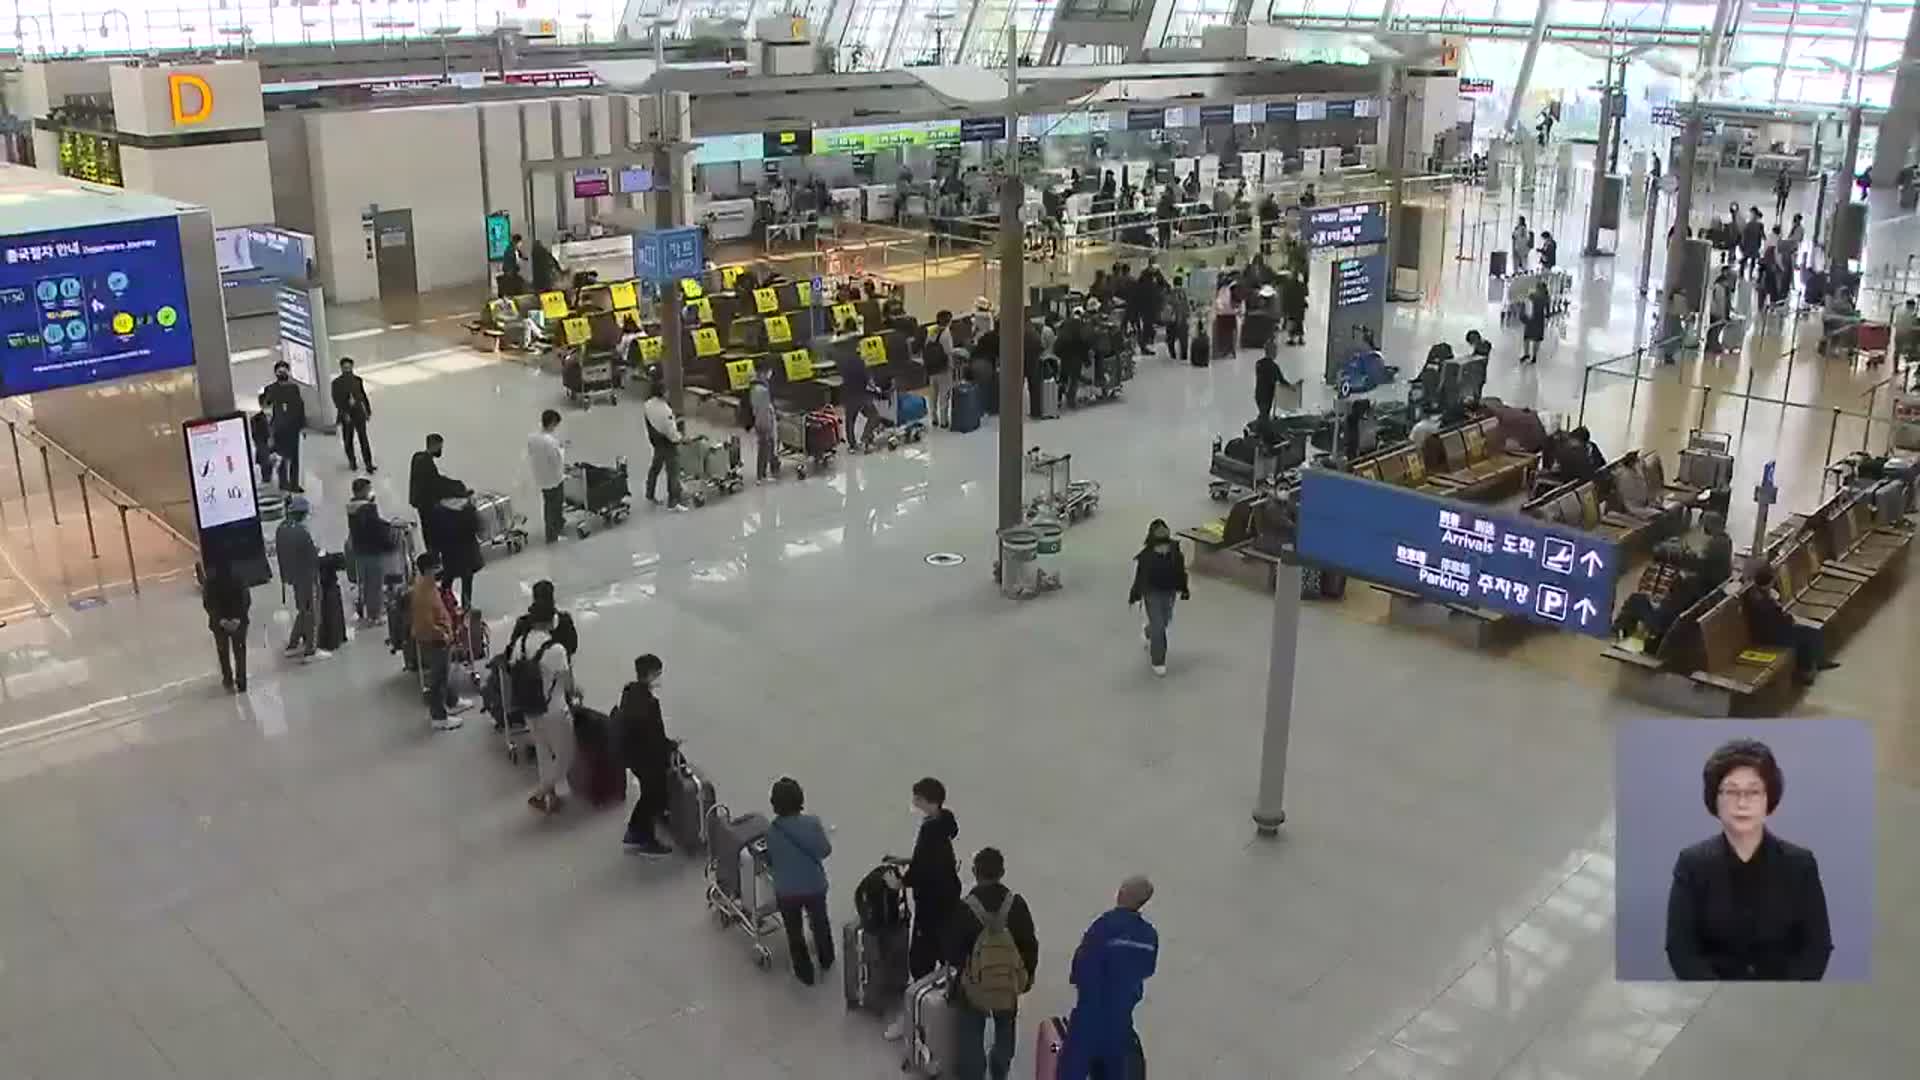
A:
[(1046, 562), (1019, 549)]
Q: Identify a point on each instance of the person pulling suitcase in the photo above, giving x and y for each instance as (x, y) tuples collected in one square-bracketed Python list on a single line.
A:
[(647, 753), (797, 850), (933, 878)]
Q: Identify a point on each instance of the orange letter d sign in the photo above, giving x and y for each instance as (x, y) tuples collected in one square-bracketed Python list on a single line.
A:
[(179, 84)]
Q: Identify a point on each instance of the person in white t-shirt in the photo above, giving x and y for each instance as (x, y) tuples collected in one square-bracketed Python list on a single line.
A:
[(547, 458), (550, 719), (663, 431)]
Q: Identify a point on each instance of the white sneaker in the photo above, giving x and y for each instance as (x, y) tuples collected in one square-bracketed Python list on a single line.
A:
[(896, 1030), (318, 654), (293, 652), (451, 723), (460, 705), (1160, 670)]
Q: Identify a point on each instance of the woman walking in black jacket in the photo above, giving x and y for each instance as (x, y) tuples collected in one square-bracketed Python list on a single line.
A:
[(1159, 574)]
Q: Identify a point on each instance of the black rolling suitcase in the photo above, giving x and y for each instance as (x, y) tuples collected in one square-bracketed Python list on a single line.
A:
[(331, 633), (1317, 583), (1200, 349), (874, 944)]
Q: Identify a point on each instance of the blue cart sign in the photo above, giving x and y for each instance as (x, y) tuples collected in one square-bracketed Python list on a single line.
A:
[(1346, 226), (663, 256), (1457, 552)]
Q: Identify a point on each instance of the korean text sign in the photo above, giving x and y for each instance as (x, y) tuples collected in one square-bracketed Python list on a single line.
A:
[(1458, 552), (90, 304)]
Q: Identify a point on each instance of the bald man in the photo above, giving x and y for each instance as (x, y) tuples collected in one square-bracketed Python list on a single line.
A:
[(1117, 955)]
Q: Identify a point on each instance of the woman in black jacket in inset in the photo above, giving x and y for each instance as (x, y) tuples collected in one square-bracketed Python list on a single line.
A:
[(1159, 574)]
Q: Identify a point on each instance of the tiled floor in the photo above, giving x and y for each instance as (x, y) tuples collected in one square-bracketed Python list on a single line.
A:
[(305, 883)]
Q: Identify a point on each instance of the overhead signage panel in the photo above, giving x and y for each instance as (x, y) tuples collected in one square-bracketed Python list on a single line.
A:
[(1346, 226), (1457, 552), (89, 304)]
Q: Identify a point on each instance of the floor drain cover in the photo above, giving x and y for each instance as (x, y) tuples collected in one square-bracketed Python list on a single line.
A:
[(945, 558)]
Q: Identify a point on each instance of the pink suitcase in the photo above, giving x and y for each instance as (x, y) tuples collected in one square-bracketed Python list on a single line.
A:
[(1046, 1049)]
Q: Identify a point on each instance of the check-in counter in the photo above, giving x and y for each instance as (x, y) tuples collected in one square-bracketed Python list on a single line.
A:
[(725, 219), (880, 202), (848, 202), (611, 257)]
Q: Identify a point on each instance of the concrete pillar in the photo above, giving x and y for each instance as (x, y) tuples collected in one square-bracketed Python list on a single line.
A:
[(1849, 158), (1608, 127), (1682, 202), (1900, 126), (1534, 39), (1283, 657), (1013, 310)]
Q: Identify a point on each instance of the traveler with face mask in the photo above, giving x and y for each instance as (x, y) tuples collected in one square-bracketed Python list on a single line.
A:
[(1160, 574), (350, 401), (933, 877), (649, 755), (286, 418), (300, 569)]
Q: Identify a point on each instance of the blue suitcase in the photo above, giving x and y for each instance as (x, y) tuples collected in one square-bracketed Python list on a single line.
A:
[(912, 409), (966, 407)]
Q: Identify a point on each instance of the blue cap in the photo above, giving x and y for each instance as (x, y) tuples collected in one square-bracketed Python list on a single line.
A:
[(298, 505)]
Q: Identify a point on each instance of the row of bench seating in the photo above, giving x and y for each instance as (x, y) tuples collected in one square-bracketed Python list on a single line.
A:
[(1839, 559), (1629, 502), (1467, 461)]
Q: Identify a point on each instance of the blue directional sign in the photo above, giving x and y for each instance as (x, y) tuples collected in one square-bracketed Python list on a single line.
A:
[(1458, 552), (1346, 226), (663, 256)]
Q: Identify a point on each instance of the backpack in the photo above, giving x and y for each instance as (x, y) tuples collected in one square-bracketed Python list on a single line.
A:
[(878, 907), (527, 684), (743, 412), (996, 973)]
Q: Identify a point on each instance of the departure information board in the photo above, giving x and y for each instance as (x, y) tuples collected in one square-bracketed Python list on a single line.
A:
[(1458, 552), (88, 304), (1345, 226)]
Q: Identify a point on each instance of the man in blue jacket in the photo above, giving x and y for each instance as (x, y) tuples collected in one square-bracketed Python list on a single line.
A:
[(1116, 957)]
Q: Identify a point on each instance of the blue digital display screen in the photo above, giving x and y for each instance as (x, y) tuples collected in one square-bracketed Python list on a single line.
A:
[(1346, 226), (85, 305), (1457, 552)]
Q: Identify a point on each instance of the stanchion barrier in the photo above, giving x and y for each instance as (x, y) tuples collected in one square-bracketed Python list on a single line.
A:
[(126, 537), (86, 511), (46, 467)]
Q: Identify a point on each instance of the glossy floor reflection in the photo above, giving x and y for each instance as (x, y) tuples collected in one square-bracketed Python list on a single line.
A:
[(305, 883)]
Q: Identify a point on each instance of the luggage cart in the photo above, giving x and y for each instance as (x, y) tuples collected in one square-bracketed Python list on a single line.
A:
[(596, 491), (739, 880), (589, 375), (512, 729), (710, 467), (1066, 499), (813, 437), (500, 524)]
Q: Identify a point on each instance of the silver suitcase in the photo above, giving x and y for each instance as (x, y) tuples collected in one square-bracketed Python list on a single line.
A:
[(1049, 398), (730, 844), (497, 518), (690, 799), (932, 1027)]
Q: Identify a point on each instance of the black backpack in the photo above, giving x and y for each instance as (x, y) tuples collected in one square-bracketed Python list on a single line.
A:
[(878, 907), (743, 412), (527, 684)]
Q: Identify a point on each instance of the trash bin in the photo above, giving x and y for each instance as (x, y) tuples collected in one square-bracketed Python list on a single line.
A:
[(1046, 563), (1019, 550)]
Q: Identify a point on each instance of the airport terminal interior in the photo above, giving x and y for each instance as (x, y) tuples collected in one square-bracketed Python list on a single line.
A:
[(494, 215)]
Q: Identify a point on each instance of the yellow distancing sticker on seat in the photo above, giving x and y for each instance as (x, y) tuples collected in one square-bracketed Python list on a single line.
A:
[(766, 301), (702, 310), (577, 330), (804, 290), (554, 305), (779, 331), (706, 341), (651, 348), (691, 289), (873, 349), (844, 317), (729, 275), (623, 295), (799, 363), (739, 374)]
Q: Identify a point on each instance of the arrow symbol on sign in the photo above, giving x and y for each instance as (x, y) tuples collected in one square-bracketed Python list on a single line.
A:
[(1593, 562), (1586, 609)]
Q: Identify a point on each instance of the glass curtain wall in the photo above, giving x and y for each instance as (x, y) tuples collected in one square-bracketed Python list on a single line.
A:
[(1814, 52), (71, 27)]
